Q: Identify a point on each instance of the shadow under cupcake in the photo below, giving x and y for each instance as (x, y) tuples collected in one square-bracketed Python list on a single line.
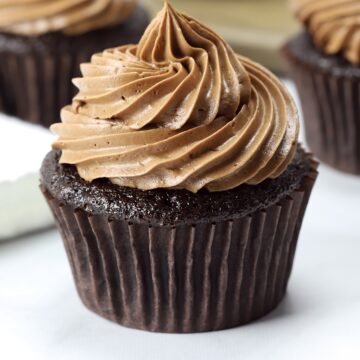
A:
[(324, 62), (177, 182), (43, 43)]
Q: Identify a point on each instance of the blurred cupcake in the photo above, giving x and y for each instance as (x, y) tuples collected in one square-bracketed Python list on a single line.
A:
[(177, 182), (324, 62), (42, 44)]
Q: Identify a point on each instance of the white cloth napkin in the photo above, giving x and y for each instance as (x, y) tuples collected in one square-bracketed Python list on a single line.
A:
[(22, 148)]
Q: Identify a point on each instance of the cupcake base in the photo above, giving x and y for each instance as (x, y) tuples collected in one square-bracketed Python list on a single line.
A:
[(36, 72), (212, 272), (329, 91)]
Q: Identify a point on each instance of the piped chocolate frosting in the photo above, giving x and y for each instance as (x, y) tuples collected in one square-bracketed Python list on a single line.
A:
[(38, 17), (179, 110), (333, 24)]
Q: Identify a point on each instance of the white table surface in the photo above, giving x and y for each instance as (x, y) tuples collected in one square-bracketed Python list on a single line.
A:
[(41, 316)]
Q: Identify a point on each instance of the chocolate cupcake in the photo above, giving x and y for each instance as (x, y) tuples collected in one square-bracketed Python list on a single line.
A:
[(324, 62), (177, 182), (42, 44)]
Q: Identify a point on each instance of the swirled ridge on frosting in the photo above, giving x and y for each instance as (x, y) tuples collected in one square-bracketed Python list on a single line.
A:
[(37, 17), (178, 110), (334, 25)]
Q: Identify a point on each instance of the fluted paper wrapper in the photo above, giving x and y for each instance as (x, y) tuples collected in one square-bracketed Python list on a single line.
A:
[(184, 278), (331, 110), (36, 83), (35, 87)]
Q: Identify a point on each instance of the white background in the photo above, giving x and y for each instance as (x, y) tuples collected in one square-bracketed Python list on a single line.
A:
[(41, 316)]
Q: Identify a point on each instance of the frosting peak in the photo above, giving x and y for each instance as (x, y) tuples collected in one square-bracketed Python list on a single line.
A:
[(334, 25), (37, 17), (178, 110), (180, 73)]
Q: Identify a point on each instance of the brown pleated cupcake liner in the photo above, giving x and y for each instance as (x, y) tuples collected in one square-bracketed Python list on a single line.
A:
[(35, 87), (331, 108), (183, 278), (36, 74)]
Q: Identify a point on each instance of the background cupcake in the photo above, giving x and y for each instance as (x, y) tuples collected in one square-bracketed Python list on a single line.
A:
[(177, 182), (43, 42), (324, 61)]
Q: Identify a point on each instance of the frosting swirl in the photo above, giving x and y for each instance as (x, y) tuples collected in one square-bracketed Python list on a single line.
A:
[(37, 17), (178, 110), (334, 25)]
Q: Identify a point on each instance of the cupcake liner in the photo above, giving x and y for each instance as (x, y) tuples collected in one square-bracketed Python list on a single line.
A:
[(184, 278), (331, 108), (35, 87)]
